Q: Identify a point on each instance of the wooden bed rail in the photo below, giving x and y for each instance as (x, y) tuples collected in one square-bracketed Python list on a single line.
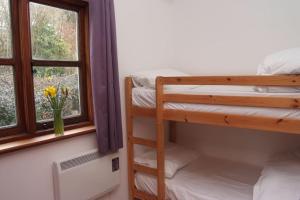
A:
[(255, 101), (282, 80), (268, 102), (272, 123)]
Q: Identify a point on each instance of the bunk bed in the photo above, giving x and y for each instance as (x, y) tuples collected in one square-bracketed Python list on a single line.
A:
[(220, 106)]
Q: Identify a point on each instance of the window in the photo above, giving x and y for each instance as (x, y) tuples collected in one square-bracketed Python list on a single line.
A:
[(42, 43), (53, 33)]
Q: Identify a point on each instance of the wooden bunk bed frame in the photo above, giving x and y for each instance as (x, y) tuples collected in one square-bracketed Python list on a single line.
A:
[(223, 119)]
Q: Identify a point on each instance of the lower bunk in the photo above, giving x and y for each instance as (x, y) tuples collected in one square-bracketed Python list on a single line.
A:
[(190, 176), (204, 178)]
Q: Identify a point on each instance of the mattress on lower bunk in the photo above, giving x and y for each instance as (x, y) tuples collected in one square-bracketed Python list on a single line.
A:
[(206, 179), (144, 97)]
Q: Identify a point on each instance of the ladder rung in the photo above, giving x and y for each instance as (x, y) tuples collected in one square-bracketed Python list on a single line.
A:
[(144, 169), (143, 195), (146, 142)]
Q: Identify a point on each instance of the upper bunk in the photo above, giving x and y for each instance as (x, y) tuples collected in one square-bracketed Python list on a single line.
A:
[(231, 101)]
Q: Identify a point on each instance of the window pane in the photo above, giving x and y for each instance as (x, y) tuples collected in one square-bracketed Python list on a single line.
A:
[(5, 30), (56, 76), (53, 33), (7, 97)]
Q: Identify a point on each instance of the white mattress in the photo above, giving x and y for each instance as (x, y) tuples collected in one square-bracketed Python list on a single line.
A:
[(144, 97), (206, 179)]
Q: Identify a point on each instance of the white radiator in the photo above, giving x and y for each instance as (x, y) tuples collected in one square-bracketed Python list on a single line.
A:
[(85, 177)]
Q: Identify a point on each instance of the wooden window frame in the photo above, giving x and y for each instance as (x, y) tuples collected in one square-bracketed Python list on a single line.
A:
[(22, 62)]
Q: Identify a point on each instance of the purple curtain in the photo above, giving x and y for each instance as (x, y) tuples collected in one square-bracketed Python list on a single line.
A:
[(105, 77)]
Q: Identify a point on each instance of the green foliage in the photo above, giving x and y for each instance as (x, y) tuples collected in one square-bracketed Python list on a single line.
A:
[(45, 72), (46, 42), (7, 117)]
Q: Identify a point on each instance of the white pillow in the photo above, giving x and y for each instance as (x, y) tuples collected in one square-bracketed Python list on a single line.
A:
[(280, 180), (176, 157), (283, 62), (147, 78)]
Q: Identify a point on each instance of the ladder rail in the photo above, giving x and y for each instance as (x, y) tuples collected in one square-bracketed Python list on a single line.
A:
[(157, 144)]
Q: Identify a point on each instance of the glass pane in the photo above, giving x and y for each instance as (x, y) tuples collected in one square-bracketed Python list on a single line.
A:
[(58, 77), (53, 33), (5, 30), (7, 97)]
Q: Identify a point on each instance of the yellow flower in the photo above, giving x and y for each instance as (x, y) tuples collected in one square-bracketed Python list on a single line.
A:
[(50, 91), (46, 93)]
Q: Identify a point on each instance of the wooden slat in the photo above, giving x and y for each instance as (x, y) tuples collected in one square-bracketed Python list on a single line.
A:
[(143, 195), (50, 63), (143, 112), (240, 121), (145, 169), (65, 4), (160, 137), (6, 61), (145, 142), (129, 128), (283, 80), (269, 102)]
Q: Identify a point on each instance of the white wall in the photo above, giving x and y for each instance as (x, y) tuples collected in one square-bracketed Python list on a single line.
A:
[(232, 36), (220, 37)]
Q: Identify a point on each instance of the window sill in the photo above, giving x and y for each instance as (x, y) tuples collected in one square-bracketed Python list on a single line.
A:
[(44, 139)]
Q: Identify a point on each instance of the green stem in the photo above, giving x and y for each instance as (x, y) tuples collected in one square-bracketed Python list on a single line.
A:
[(58, 122)]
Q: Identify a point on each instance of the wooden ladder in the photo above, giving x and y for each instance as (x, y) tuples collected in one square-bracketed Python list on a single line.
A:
[(158, 145)]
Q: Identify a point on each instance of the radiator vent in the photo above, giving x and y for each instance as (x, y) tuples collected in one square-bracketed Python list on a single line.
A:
[(79, 160)]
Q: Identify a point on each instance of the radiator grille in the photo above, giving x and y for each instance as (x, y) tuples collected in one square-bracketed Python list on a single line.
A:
[(79, 160)]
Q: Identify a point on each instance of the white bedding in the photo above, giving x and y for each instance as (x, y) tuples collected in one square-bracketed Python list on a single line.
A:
[(144, 97), (176, 157), (281, 175), (206, 179)]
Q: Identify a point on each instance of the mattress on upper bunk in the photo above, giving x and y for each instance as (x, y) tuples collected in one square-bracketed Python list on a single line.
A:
[(206, 179), (145, 97)]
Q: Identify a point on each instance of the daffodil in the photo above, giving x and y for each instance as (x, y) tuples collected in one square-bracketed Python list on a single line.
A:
[(46, 93), (56, 100), (51, 91)]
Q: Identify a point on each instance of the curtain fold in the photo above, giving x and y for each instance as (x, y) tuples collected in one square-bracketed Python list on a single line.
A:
[(105, 76)]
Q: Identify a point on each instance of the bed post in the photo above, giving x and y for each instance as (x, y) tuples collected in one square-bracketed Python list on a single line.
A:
[(172, 131), (160, 137), (129, 124)]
